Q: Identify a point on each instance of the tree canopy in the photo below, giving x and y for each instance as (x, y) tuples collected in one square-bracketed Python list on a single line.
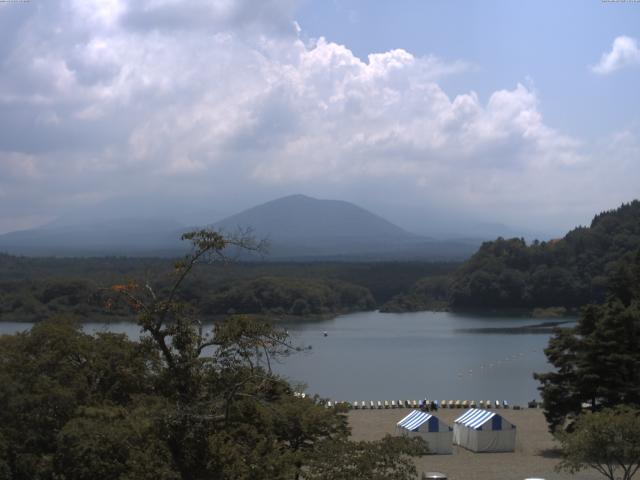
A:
[(598, 362), (33, 289), (568, 272), (181, 403), (607, 441)]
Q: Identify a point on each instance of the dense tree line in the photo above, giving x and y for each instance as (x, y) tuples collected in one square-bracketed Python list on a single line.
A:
[(80, 407), (591, 397), (32, 289), (597, 363), (507, 273), (429, 293), (36, 301), (287, 296), (569, 272)]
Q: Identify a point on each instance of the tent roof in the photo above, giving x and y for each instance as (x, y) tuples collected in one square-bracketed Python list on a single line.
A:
[(414, 420), (475, 418)]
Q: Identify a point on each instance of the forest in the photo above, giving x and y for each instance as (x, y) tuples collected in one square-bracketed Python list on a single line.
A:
[(509, 274), (32, 289), (76, 406), (503, 274), (569, 272)]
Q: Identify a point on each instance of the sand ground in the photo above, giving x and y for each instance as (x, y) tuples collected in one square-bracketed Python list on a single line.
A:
[(535, 455)]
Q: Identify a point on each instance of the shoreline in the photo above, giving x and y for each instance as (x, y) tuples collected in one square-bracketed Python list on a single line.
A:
[(535, 453)]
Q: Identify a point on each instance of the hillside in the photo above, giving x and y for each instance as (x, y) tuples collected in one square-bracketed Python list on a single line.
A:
[(304, 228), (301, 219), (569, 272), (122, 237), (298, 228)]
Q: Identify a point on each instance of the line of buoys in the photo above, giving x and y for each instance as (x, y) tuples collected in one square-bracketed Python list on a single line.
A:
[(486, 367), (423, 404)]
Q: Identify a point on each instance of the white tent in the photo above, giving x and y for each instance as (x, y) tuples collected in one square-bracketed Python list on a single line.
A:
[(437, 434), (484, 431)]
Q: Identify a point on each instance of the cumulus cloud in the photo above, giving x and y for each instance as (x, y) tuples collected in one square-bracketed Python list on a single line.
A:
[(219, 99), (624, 53)]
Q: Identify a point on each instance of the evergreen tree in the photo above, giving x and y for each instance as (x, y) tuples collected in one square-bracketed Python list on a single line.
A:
[(597, 362)]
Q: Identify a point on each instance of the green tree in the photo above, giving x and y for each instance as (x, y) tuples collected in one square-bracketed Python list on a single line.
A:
[(598, 362), (113, 442), (182, 403), (386, 459), (568, 272), (229, 415), (51, 371), (607, 441)]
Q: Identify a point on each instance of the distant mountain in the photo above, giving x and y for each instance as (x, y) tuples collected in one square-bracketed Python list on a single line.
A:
[(122, 237), (301, 227), (302, 219), (297, 227)]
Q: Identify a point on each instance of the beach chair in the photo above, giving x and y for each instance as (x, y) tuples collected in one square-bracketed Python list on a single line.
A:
[(400, 404), (488, 404), (372, 405), (497, 403), (355, 406), (329, 405), (443, 404), (379, 404), (452, 404), (458, 404), (465, 404), (481, 405), (386, 404), (473, 404), (414, 404), (505, 404), (393, 404), (421, 404)]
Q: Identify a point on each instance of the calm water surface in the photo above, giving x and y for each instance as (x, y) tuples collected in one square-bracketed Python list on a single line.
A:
[(376, 356)]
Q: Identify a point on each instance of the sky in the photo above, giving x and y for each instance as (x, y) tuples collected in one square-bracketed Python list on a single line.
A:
[(439, 115)]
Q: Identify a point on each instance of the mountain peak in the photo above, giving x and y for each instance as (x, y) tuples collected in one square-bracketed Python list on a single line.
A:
[(297, 218)]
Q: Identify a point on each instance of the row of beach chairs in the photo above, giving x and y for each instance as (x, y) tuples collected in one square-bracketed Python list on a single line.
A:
[(420, 404)]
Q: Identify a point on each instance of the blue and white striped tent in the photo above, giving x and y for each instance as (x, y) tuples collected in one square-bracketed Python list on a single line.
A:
[(437, 434), (484, 431)]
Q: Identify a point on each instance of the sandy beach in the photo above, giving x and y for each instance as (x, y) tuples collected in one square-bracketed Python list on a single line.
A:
[(535, 455)]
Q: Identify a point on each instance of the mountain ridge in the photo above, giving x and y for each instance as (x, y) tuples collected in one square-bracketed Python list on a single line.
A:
[(333, 218), (298, 227)]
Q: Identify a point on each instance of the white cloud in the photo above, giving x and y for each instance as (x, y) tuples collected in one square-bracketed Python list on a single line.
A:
[(220, 99), (624, 53)]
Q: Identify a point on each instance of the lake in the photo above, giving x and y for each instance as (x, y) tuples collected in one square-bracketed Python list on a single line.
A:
[(378, 356)]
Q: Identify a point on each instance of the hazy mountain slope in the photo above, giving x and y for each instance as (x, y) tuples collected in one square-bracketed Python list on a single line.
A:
[(301, 227), (302, 219), (297, 227), (127, 237)]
